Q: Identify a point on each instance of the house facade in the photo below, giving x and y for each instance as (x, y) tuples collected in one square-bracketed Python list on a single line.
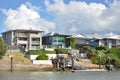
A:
[(23, 39), (55, 40), (96, 40), (109, 41), (82, 40)]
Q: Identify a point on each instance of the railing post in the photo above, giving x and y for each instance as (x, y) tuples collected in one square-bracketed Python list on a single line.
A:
[(11, 63), (99, 61)]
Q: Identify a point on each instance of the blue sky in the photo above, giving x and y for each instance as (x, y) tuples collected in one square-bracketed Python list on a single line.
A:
[(62, 16)]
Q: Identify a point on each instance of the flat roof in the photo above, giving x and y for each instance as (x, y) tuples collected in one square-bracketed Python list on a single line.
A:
[(56, 34), (24, 30)]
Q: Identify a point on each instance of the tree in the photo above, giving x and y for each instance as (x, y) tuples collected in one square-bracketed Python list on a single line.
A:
[(73, 42), (2, 47), (67, 42)]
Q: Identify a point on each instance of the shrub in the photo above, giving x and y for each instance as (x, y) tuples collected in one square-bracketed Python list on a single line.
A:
[(87, 47), (94, 58), (101, 48), (42, 57), (115, 52), (103, 59), (40, 52), (61, 51), (2, 47), (114, 60), (50, 52)]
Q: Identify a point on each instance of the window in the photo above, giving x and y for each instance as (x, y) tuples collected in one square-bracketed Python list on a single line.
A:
[(58, 39)]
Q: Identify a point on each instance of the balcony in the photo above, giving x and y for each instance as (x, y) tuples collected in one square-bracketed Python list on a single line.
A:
[(22, 42), (21, 35), (35, 47), (34, 35), (35, 42)]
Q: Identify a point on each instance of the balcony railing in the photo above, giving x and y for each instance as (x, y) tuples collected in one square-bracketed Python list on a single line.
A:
[(35, 42), (21, 34)]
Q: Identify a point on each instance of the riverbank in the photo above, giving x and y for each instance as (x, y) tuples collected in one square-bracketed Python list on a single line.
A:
[(28, 68)]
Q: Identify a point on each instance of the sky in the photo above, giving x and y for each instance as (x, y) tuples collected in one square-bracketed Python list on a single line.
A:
[(61, 16)]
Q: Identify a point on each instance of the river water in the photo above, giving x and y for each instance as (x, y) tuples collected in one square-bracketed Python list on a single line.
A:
[(83, 75)]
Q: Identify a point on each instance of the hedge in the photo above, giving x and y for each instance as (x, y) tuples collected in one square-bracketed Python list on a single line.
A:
[(101, 48), (42, 57), (61, 51), (37, 52)]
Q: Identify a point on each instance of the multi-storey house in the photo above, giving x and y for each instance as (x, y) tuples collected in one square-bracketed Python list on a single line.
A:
[(23, 39), (55, 40)]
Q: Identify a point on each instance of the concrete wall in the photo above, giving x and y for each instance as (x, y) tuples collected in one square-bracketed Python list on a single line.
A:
[(33, 57), (42, 62), (49, 49), (50, 56)]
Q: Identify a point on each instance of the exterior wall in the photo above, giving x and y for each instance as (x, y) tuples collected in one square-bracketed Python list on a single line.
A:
[(25, 39), (42, 62), (8, 37), (50, 56), (56, 41), (105, 42), (49, 49), (32, 57), (82, 41), (111, 42)]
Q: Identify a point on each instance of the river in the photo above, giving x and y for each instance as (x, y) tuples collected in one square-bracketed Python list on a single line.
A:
[(83, 75)]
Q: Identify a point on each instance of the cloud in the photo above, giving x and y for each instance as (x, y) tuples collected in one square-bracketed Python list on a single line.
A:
[(80, 17), (26, 17), (110, 34)]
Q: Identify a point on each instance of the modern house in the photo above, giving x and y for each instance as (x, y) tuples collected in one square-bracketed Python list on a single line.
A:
[(82, 40), (96, 40), (23, 39), (55, 40), (111, 41)]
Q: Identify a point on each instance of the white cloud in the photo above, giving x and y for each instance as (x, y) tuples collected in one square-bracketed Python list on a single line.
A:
[(110, 34), (80, 17), (26, 17)]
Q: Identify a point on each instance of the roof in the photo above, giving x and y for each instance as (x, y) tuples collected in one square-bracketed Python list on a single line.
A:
[(80, 36), (112, 37), (23, 30), (95, 35), (56, 34)]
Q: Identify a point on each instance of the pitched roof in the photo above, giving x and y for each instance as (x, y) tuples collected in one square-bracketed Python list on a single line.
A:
[(56, 34), (80, 36), (95, 35)]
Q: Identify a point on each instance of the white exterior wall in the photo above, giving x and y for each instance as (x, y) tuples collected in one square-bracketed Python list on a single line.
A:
[(42, 62), (33, 57), (49, 49), (50, 56)]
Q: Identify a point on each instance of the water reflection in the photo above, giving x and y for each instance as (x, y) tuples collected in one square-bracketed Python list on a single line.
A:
[(59, 76)]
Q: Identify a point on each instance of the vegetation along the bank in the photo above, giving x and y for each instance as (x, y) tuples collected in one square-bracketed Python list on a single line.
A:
[(2, 47), (104, 53)]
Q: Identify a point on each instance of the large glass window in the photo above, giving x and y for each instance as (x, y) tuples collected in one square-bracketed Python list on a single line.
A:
[(58, 39)]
